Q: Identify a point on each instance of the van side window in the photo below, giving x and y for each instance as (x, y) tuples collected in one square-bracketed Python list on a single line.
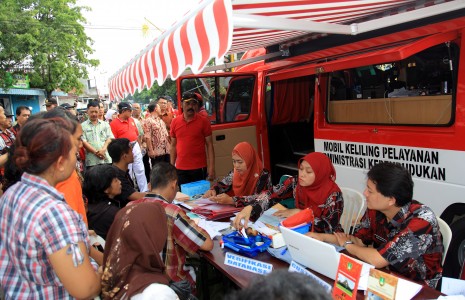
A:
[(418, 90), (226, 99)]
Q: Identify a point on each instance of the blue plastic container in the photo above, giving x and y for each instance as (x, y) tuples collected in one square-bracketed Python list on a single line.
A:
[(195, 188), (303, 229), (250, 246)]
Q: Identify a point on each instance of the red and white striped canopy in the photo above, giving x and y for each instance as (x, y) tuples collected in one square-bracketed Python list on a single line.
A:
[(218, 27)]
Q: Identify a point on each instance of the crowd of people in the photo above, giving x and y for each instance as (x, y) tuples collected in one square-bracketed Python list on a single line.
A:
[(116, 175)]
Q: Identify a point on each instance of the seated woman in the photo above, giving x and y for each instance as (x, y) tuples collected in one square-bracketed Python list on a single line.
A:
[(133, 268), (314, 188), (400, 232), (243, 184), (101, 185), (44, 245)]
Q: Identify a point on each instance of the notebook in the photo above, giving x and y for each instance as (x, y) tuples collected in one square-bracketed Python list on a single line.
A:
[(311, 253), (318, 256)]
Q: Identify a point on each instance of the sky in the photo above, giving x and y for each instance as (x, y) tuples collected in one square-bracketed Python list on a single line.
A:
[(115, 26)]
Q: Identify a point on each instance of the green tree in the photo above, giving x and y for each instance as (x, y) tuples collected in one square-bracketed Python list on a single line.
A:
[(18, 31), (167, 88), (59, 57)]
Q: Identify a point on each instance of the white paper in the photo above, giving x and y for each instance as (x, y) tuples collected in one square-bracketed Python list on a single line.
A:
[(406, 289), (452, 286), (455, 297), (97, 239), (212, 228)]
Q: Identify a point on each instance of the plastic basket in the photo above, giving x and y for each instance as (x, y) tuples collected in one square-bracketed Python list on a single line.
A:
[(195, 188)]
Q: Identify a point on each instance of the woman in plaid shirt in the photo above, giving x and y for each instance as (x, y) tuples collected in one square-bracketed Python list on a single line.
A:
[(44, 245)]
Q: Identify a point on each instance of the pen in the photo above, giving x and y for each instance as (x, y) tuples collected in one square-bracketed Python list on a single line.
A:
[(284, 251)]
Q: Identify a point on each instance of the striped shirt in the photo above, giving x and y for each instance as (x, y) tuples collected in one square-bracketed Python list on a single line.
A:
[(184, 237), (35, 223)]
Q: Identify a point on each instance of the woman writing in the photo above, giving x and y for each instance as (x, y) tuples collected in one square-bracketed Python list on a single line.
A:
[(133, 268), (44, 246), (101, 185), (314, 188), (243, 184)]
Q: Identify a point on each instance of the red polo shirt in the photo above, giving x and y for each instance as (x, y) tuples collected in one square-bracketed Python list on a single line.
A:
[(124, 129), (190, 138)]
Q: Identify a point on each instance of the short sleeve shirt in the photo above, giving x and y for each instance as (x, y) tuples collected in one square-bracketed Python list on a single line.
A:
[(127, 187), (155, 129), (190, 141), (35, 223), (124, 129), (411, 242), (96, 135), (7, 138)]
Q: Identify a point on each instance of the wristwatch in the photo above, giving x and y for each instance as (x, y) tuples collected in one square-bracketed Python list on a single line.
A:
[(347, 243)]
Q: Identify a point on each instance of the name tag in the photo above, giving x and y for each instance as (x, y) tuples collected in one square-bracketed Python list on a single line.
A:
[(295, 267), (247, 264)]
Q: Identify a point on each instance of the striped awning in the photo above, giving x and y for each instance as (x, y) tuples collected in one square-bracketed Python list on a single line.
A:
[(218, 27)]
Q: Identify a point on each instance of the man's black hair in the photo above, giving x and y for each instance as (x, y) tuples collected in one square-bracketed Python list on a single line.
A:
[(93, 103), (152, 106), (20, 108), (117, 148), (281, 285), (162, 174)]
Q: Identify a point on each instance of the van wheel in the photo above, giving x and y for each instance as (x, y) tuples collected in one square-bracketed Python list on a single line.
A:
[(456, 253)]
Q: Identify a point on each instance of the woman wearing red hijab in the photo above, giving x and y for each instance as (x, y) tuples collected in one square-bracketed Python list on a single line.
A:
[(245, 182), (314, 188)]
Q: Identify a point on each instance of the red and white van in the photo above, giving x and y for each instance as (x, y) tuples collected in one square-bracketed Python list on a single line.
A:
[(394, 94)]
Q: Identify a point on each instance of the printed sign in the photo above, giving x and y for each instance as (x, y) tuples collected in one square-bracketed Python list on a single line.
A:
[(381, 285), (347, 278), (247, 264), (295, 267)]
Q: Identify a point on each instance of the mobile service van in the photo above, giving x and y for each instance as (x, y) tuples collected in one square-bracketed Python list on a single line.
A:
[(362, 81), (396, 94)]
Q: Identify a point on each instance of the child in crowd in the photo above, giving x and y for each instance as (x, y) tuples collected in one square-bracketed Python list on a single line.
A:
[(101, 185)]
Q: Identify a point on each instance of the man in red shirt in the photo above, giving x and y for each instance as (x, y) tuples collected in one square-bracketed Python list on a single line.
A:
[(190, 133), (124, 127)]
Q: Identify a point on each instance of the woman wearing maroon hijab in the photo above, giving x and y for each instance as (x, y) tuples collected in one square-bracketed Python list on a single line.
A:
[(314, 188), (132, 266), (245, 182)]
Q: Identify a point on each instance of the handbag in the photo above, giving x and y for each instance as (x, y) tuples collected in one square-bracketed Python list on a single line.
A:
[(182, 289)]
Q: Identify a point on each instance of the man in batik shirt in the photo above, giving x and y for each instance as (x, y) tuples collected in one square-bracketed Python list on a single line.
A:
[(156, 135)]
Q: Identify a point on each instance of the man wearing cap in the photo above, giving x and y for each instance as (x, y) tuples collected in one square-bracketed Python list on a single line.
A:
[(69, 107), (190, 133), (96, 137), (51, 103), (125, 127)]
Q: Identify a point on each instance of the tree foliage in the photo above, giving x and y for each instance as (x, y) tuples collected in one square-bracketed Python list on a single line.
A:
[(56, 46), (18, 39), (168, 88)]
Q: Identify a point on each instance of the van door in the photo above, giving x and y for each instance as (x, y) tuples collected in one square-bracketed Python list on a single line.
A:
[(231, 102)]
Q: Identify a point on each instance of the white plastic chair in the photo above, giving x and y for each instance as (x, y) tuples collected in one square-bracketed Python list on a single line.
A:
[(446, 236), (354, 206)]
